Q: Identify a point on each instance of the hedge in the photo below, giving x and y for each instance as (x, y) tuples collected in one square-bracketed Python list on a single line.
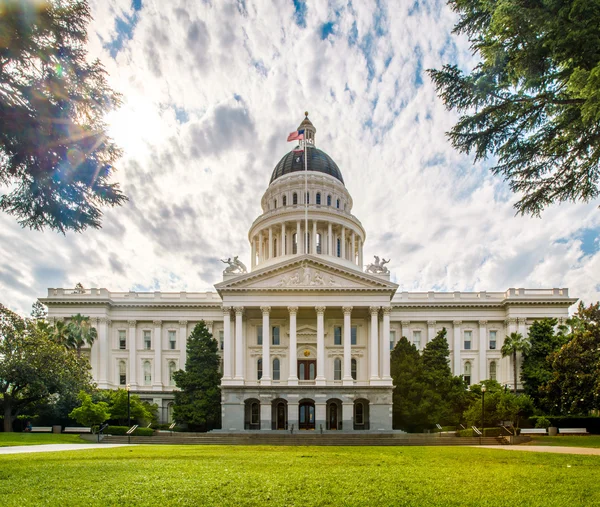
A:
[(489, 432), (122, 430), (591, 423)]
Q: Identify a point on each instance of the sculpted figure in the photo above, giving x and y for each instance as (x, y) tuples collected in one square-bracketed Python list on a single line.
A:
[(240, 265), (234, 266), (378, 267)]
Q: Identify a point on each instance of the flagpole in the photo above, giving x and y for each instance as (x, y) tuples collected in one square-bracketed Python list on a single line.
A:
[(305, 196)]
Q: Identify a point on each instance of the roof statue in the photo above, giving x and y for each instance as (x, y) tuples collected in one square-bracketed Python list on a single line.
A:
[(234, 267), (378, 267)]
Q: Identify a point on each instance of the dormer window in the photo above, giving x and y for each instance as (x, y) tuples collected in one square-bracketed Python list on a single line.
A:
[(318, 199), (295, 199)]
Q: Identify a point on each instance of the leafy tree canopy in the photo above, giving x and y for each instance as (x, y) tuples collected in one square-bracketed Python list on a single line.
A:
[(198, 403), (140, 411), (55, 157), (513, 344), (533, 100), (90, 413)]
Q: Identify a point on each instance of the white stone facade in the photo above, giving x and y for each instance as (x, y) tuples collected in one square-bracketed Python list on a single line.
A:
[(306, 334)]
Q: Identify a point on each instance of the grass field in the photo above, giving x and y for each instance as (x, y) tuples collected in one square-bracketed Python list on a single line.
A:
[(302, 476), (568, 441), (11, 439)]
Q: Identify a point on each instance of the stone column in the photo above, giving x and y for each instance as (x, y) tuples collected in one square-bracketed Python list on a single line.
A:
[(385, 367), (353, 248), (282, 242), (506, 362), (482, 350), (320, 415), (253, 253), (360, 255), (266, 346), (157, 382), (457, 347), (313, 248), (132, 344), (293, 369), (404, 329), (239, 346), (347, 415), (183, 343), (270, 242), (260, 247), (265, 414), (522, 330), (329, 239), (430, 331), (320, 378), (103, 349), (227, 348), (347, 379), (299, 241), (292, 415), (374, 348), (343, 242)]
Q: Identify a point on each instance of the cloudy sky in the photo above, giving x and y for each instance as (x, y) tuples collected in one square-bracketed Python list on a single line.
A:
[(211, 89)]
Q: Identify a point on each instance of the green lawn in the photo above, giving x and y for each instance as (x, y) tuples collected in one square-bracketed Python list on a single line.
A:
[(10, 439), (302, 476), (568, 441)]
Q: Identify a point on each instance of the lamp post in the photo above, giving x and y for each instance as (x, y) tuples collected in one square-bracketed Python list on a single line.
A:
[(128, 405), (483, 389)]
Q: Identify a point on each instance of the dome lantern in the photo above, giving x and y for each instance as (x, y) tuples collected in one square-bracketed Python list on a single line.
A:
[(309, 130)]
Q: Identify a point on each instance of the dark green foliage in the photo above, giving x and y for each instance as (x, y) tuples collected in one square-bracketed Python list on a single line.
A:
[(198, 403), (38, 311), (575, 384), (55, 155), (513, 344), (141, 412), (536, 370), (591, 423), (122, 430), (90, 413), (533, 101), (80, 333), (405, 370)]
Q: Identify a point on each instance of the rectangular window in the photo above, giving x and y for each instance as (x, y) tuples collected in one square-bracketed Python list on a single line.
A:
[(467, 341), (493, 340), (259, 335), (337, 335), (275, 330), (392, 339), (172, 340), (353, 335), (221, 334), (122, 379), (147, 340), (122, 339), (417, 339)]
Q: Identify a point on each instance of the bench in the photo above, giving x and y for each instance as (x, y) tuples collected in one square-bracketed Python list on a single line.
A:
[(533, 431), (41, 429), (72, 429), (572, 431)]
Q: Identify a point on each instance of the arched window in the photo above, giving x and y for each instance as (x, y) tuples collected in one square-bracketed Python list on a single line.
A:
[(318, 198), (311, 371), (353, 368), (276, 370), (467, 375), (301, 371), (338, 204), (328, 200), (359, 413), (307, 198), (284, 199), (295, 198), (172, 367), (275, 204), (259, 369), (319, 243), (122, 373), (147, 373), (339, 247), (337, 369), (295, 243), (493, 370)]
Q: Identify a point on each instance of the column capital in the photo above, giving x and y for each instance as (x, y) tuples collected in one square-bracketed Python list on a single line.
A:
[(132, 323), (521, 320), (209, 323), (405, 322), (511, 320), (457, 323), (157, 323), (431, 323), (293, 310), (239, 310), (372, 309), (183, 323), (265, 310), (387, 310), (482, 323), (320, 309), (347, 310), (227, 310)]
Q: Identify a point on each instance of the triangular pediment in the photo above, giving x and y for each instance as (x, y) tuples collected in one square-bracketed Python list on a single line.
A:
[(306, 272)]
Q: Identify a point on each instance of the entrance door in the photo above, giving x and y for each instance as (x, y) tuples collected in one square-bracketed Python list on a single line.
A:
[(307, 369), (306, 421), (333, 416), (281, 416)]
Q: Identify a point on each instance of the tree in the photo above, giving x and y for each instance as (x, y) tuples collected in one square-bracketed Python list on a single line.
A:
[(55, 154), (90, 413), (198, 403), (575, 383), (513, 344), (536, 369), (80, 333), (33, 368), (533, 100), (139, 410), (38, 311)]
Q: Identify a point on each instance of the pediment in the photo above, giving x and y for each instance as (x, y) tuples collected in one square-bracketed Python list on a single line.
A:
[(306, 273)]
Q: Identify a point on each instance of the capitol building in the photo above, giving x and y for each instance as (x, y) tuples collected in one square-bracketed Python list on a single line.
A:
[(305, 331)]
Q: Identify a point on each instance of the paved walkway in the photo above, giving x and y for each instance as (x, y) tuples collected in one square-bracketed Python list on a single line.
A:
[(19, 449), (540, 448)]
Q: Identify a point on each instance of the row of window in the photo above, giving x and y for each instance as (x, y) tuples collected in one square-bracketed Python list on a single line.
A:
[(307, 370), (467, 371), (319, 245), (467, 339), (318, 202), (275, 335), (147, 369), (147, 339)]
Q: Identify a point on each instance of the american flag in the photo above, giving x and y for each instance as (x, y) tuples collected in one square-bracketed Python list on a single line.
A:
[(297, 135)]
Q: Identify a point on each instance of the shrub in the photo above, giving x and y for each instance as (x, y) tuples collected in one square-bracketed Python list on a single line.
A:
[(542, 422), (122, 430), (489, 432)]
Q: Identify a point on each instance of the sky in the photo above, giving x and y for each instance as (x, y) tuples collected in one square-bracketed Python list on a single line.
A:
[(210, 91)]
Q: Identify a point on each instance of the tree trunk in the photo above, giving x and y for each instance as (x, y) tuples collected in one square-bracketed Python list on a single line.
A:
[(515, 371), (8, 427)]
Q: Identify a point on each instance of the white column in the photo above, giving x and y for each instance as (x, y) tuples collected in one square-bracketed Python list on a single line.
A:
[(506, 362), (320, 379), (405, 329), (343, 242), (482, 350), (103, 349), (430, 331), (157, 339), (253, 253), (457, 348), (282, 242), (266, 346), (227, 348), (299, 241), (353, 254), (293, 375), (522, 330), (182, 343), (132, 344), (270, 242), (374, 349), (347, 379), (385, 369), (260, 248), (239, 346), (360, 255), (329, 240), (313, 248)]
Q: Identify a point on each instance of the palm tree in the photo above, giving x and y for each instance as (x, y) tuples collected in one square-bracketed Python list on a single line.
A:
[(59, 333), (514, 343), (81, 333)]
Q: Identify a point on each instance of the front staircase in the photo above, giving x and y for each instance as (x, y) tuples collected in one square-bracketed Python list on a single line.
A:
[(304, 438)]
